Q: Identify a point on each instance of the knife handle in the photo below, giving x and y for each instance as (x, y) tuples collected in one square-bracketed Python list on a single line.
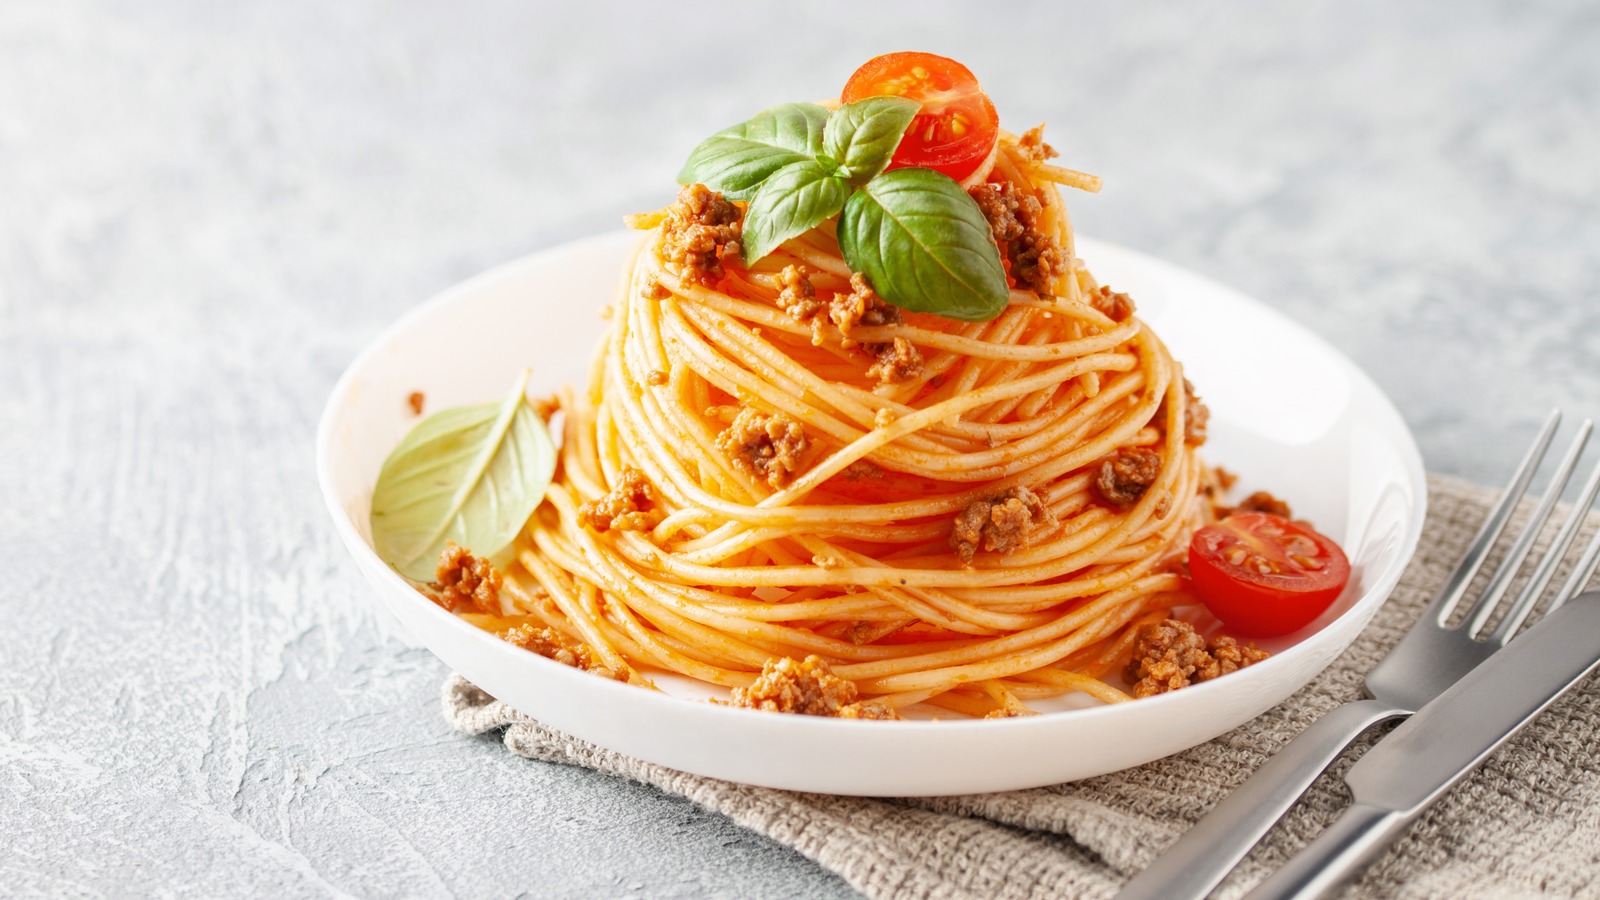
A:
[(1204, 855), (1356, 838)]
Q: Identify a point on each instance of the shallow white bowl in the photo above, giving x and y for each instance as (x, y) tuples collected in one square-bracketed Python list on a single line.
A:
[(1289, 414)]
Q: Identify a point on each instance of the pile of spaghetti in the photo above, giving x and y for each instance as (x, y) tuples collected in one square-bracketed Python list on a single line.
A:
[(776, 482)]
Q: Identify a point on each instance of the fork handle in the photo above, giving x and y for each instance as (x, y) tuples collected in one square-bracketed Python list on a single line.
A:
[(1356, 838), (1205, 855)]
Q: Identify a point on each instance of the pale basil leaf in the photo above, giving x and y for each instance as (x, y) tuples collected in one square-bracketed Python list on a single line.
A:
[(924, 245), (863, 135), (472, 475), (794, 200), (736, 160)]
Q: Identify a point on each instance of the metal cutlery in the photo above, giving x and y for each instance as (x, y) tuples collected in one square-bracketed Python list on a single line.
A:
[(1412, 768), (1431, 657)]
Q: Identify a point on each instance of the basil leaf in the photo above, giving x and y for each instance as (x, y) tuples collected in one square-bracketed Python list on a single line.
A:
[(792, 126), (862, 136), (794, 200), (924, 245), (736, 160), (472, 475)]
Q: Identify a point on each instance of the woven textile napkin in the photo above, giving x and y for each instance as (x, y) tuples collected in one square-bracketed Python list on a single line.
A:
[(1527, 823)]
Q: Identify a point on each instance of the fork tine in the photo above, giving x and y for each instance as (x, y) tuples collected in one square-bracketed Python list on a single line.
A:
[(1581, 573), (1546, 570), (1461, 577), (1507, 572)]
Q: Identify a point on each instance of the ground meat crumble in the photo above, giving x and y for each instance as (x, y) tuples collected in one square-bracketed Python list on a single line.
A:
[(894, 361), (861, 306), (1004, 523), (1009, 712), (809, 688), (764, 446), (869, 709), (1033, 258), (1228, 655), (549, 643), (1195, 417), (872, 632), (1125, 477), (861, 468), (1115, 305), (798, 297), (1033, 147), (631, 505), (1169, 655), (463, 581), (700, 231), (1261, 501)]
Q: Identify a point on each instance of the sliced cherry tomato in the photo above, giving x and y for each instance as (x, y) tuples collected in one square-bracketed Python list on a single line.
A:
[(1264, 575), (957, 127)]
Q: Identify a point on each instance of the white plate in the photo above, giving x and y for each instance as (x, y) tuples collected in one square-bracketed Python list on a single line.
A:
[(1289, 414)]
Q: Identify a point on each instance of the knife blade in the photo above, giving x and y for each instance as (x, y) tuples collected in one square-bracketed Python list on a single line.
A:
[(1411, 768)]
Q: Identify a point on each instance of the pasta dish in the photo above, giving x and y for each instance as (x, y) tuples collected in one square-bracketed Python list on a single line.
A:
[(865, 437)]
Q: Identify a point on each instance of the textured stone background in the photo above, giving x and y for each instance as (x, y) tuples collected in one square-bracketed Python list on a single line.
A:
[(207, 209)]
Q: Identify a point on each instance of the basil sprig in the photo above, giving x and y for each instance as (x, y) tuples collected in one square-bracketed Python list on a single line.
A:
[(920, 240)]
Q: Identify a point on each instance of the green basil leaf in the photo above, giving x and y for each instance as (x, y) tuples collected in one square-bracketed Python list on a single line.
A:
[(862, 135), (792, 201), (924, 245), (736, 160), (472, 475), (792, 126)]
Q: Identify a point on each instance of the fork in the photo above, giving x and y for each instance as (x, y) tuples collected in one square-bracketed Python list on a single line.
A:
[(1431, 656)]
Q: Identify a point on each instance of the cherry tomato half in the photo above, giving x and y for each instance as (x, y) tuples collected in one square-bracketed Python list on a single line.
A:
[(957, 127), (1264, 575)]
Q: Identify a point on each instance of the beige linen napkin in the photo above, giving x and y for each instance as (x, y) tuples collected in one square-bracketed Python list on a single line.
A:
[(1527, 823)]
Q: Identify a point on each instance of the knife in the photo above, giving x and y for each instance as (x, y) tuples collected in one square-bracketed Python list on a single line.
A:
[(1411, 768)]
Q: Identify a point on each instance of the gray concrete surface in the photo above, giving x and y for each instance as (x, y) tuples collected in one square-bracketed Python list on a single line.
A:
[(207, 209)]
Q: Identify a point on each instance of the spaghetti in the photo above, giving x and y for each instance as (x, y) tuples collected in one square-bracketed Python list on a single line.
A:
[(740, 483)]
